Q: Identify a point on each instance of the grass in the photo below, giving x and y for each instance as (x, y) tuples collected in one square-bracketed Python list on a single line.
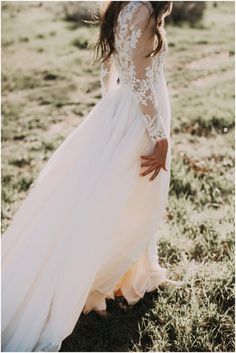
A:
[(49, 84)]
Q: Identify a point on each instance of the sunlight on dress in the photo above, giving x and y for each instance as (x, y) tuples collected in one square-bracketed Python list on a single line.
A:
[(89, 224)]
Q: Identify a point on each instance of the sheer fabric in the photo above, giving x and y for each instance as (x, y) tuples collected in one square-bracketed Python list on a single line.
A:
[(108, 76), (133, 41), (90, 223)]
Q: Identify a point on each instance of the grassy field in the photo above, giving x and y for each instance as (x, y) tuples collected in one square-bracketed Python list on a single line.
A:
[(49, 84)]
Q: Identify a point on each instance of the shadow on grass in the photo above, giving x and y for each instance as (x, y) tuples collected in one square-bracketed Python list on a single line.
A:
[(118, 333)]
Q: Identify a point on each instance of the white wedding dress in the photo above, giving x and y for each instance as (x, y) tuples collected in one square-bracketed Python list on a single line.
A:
[(89, 223)]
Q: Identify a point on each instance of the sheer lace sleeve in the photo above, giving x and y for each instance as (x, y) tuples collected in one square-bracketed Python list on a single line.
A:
[(108, 76), (143, 72)]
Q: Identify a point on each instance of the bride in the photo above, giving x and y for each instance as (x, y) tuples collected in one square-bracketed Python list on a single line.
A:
[(87, 228)]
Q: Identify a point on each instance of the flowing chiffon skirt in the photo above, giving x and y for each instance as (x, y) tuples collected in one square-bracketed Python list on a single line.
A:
[(87, 227)]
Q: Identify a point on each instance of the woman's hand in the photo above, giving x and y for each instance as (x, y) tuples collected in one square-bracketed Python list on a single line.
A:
[(156, 160)]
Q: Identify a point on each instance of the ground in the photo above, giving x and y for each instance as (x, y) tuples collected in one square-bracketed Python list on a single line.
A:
[(49, 84)]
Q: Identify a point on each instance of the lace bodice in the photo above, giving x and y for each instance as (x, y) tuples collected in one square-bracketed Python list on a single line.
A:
[(133, 40)]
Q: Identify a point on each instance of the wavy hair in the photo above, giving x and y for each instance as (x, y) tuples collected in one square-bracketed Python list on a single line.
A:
[(109, 11)]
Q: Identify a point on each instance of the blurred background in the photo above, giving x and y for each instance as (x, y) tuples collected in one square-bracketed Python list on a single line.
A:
[(49, 84)]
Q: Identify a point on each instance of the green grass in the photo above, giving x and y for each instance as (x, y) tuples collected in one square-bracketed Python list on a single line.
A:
[(49, 83)]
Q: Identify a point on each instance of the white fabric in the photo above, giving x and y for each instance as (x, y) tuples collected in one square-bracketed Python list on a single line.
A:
[(88, 225), (134, 40)]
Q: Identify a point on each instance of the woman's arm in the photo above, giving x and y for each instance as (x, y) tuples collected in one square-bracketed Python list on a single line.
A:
[(142, 82), (142, 86)]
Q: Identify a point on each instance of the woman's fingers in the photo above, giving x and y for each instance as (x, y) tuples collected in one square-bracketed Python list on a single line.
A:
[(165, 169), (146, 164), (154, 175), (149, 170), (163, 164), (156, 160), (149, 158)]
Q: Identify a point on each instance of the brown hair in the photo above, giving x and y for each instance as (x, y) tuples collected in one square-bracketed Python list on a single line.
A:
[(104, 46)]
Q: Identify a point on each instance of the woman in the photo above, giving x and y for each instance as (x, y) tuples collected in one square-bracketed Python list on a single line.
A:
[(86, 230)]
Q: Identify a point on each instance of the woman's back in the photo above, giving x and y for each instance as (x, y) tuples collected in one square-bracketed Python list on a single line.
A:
[(142, 76), (133, 41)]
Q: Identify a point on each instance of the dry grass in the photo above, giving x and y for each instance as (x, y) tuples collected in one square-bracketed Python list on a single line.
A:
[(49, 84)]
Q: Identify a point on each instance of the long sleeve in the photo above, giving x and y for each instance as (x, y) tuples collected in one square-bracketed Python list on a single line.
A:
[(142, 72), (108, 76)]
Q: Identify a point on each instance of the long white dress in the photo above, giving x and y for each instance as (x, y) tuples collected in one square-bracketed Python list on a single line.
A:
[(89, 223)]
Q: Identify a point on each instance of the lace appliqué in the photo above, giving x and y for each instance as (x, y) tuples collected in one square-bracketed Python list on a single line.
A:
[(126, 41), (154, 127), (144, 93)]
